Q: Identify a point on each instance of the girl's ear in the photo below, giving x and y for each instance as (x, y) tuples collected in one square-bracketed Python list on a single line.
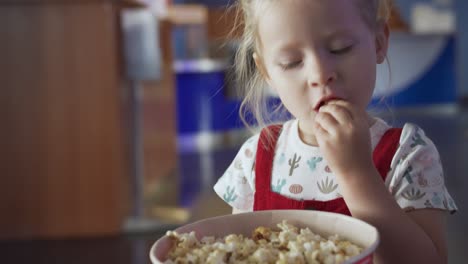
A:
[(260, 66), (381, 42)]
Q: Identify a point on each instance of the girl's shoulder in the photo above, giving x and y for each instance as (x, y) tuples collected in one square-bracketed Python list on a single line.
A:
[(250, 146), (415, 145), (411, 133), (413, 137), (412, 141), (251, 143)]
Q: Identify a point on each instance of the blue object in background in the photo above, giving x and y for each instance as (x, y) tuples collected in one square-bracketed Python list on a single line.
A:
[(200, 96), (202, 104), (462, 48), (423, 72)]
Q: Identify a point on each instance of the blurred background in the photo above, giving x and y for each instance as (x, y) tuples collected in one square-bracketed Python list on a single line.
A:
[(118, 116)]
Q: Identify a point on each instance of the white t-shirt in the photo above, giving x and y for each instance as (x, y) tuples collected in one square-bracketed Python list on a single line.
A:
[(416, 178)]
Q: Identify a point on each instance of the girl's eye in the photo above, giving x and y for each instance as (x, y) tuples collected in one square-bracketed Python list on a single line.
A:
[(291, 65), (341, 51)]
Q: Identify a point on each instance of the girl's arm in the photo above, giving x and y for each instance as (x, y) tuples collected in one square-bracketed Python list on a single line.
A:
[(414, 237), (433, 222), (343, 135)]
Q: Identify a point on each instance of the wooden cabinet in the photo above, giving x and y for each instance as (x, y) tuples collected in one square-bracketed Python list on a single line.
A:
[(63, 156)]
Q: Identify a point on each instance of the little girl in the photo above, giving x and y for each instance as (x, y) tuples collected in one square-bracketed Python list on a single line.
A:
[(320, 57)]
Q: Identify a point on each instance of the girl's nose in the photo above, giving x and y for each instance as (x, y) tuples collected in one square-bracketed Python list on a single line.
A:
[(322, 78), (322, 71)]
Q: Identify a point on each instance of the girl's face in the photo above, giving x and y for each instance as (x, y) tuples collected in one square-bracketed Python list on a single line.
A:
[(312, 51)]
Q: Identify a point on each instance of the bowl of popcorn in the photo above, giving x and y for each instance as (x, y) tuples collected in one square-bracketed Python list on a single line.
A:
[(277, 236)]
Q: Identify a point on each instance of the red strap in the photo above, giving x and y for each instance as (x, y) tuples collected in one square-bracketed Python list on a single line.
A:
[(264, 164), (385, 150)]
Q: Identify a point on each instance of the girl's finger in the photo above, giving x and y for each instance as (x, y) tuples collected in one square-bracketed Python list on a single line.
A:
[(326, 121), (319, 131), (346, 105), (340, 113)]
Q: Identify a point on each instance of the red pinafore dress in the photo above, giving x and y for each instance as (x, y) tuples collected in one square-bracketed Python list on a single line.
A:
[(266, 199)]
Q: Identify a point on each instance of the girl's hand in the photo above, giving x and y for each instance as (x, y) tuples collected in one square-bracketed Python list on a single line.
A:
[(343, 136)]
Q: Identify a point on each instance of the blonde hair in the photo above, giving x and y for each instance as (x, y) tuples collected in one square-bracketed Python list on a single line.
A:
[(254, 107)]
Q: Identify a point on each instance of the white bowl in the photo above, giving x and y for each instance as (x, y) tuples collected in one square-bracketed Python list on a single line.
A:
[(323, 223)]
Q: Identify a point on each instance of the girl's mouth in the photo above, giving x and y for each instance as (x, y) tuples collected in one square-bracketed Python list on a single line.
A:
[(322, 103)]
